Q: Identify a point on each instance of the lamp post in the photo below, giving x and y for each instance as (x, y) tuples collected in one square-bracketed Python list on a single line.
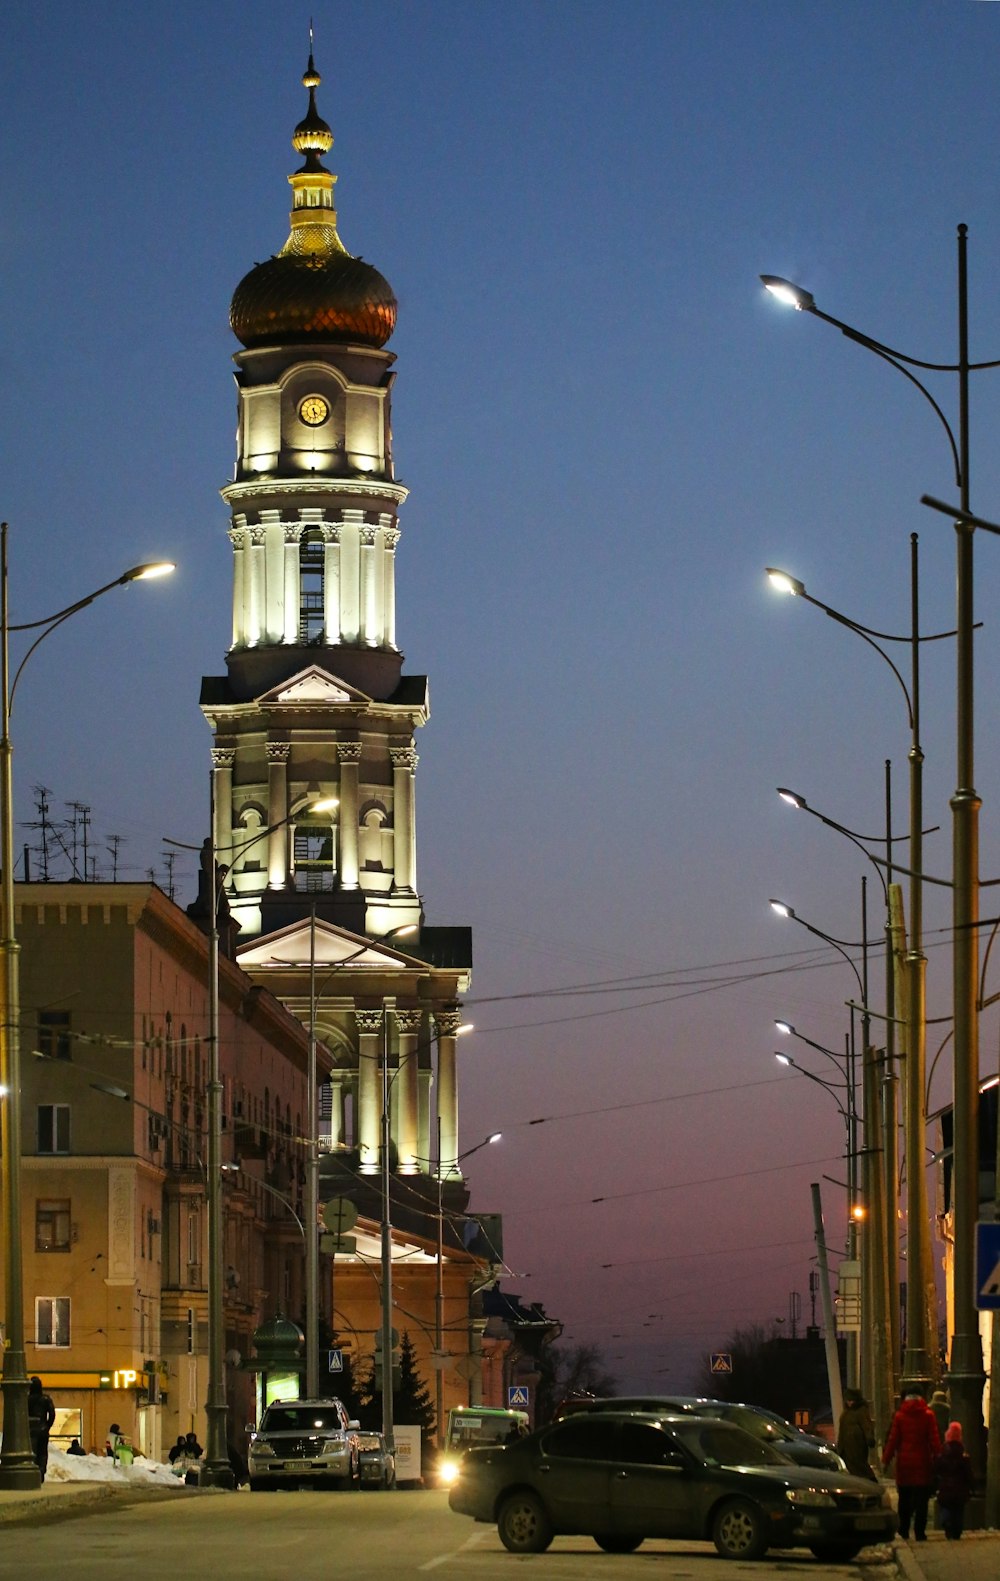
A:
[(18, 1470), (494, 1136), (917, 1364), (966, 1377), (216, 1471)]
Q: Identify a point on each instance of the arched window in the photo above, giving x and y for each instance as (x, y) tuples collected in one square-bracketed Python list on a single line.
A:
[(314, 854)]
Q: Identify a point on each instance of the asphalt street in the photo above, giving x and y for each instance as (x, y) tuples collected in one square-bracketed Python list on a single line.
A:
[(359, 1537)]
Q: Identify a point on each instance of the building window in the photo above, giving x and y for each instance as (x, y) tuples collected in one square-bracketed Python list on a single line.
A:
[(52, 1320), (313, 856), (52, 1224), (53, 1034), (53, 1127), (311, 617)]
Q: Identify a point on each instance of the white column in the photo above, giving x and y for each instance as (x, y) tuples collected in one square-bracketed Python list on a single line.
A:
[(255, 601), (404, 764), (336, 1111), (237, 537), (290, 618), (408, 1027), (273, 591), (277, 811), (369, 1024), (352, 522), (222, 768), (369, 614), (390, 538), (349, 756), (331, 583), (446, 1025)]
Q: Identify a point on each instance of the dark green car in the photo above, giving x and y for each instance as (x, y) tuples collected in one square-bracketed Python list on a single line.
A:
[(620, 1478)]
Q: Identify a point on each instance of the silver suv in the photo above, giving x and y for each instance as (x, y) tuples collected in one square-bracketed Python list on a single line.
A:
[(302, 1441)]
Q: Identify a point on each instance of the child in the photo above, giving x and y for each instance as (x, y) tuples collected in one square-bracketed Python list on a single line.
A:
[(953, 1470)]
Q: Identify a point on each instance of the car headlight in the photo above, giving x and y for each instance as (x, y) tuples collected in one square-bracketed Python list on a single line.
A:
[(886, 1500), (332, 1445), (448, 1472), (811, 1498), (260, 1450)]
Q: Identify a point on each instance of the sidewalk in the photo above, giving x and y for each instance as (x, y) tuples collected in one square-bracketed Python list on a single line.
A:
[(60, 1500), (975, 1558)]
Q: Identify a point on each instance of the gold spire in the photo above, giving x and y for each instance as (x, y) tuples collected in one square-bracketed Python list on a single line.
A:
[(313, 216)]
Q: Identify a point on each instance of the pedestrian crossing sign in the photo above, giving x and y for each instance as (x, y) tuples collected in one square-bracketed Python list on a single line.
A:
[(721, 1361), (988, 1266), (517, 1397)]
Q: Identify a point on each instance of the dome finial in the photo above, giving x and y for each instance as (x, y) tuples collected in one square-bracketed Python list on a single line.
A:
[(312, 136)]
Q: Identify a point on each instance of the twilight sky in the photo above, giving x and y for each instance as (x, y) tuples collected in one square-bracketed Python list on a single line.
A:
[(608, 430)]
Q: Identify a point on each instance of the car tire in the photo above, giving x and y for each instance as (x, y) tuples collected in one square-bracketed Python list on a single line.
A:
[(835, 1553), (523, 1525), (738, 1530), (617, 1545)]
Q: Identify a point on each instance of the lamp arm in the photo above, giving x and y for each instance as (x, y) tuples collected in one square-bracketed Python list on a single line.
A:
[(55, 622)]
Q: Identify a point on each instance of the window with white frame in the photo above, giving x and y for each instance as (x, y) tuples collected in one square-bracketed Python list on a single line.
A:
[(53, 1127), (52, 1320)]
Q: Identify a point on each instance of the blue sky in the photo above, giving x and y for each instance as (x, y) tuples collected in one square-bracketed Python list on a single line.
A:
[(608, 430)]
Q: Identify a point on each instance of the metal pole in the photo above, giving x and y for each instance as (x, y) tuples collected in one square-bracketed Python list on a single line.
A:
[(387, 1422), (890, 1109), (853, 1335), (966, 1377), (439, 1302), (918, 1366), (17, 1464), (216, 1472), (312, 1185), (829, 1324)]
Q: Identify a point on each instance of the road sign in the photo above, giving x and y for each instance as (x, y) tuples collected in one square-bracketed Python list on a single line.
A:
[(335, 1361), (517, 1396), (339, 1215), (332, 1245), (988, 1266), (721, 1361)]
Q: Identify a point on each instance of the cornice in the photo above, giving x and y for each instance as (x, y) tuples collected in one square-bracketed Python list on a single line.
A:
[(267, 488)]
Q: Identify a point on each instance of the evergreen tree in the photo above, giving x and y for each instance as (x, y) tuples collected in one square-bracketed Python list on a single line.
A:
[(411, 1400)]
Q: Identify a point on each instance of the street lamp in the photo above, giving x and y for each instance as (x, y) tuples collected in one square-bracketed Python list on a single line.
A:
[(216, 1471), (18, 1470), (966, 1376)]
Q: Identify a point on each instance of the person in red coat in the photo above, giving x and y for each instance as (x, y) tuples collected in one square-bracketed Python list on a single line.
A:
[(914, 1443)]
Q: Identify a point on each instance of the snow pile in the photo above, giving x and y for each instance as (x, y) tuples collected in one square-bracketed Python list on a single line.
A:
[(101, 1468)]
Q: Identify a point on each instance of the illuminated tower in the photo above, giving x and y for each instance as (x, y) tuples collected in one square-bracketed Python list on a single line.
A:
[(314, 703)]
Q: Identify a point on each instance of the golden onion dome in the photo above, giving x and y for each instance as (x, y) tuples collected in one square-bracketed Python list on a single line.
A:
[(314, 289)]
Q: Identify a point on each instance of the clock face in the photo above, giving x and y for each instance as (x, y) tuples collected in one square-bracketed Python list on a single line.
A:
[(314, 410)]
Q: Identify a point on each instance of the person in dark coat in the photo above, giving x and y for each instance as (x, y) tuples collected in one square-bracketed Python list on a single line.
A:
[(942, 1411), (914, 1443), (75, 1447), (179, 1450), (856, 1434), (955, 1481), (41, 1415)]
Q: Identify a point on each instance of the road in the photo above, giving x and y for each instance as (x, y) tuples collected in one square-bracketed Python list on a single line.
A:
[(355, 1537)]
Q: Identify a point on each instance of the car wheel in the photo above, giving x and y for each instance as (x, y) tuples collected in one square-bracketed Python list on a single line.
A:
[(738, 1531), (835, 1553), (523, 1524), (618, 1545)]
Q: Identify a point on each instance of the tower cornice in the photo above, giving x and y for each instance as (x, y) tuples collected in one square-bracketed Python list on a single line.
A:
[(266, 488)]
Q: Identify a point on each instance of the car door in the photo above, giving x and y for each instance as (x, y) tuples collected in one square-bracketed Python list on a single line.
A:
[(652, 1488), (574, 1473)]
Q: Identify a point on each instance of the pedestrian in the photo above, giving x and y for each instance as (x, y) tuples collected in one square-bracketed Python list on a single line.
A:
[(955, 1481), (942, 1411), (75, 1447), (856, 1434), (914, 1443), (192, 1448), (179, 1450), (41, 1415)]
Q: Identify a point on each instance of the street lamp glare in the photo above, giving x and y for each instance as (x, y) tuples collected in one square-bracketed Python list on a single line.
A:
[(782, 582), (792, 798), (325, 804), (787, 292), (496, 1137), (467, 1026), (145, 573), (785, 1028), (780, 909), (783, 1059)]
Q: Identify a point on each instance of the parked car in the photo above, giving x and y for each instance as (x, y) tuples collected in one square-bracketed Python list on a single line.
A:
[(621, 1477), (303, 1441), (803, 1448), (376, 1461)]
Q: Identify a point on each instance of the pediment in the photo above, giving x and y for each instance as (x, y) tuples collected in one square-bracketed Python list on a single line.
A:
[(292, 946), (313, 685)]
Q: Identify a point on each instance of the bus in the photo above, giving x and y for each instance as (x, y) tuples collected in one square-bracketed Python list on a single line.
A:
[(472, 1425)]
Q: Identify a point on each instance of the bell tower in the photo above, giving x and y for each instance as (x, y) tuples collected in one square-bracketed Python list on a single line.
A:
[(314, 704)]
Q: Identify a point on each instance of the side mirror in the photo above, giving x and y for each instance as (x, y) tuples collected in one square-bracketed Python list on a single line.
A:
[(354, 1427)]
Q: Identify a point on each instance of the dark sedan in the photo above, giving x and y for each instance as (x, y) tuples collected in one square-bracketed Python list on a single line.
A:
[(621, 1478), (804, 1448)]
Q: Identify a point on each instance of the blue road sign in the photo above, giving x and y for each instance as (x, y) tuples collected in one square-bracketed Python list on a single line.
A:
[(988, 1266), (335, 1361), (517, 1397)]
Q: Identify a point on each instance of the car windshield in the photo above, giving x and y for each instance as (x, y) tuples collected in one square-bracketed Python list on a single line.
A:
[(301, 1419), (723, 1444), (469, 1430), (369, 1441)]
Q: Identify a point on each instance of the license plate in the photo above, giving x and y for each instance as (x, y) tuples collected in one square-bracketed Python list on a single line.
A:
[(298, 1465), (868, 1523)]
